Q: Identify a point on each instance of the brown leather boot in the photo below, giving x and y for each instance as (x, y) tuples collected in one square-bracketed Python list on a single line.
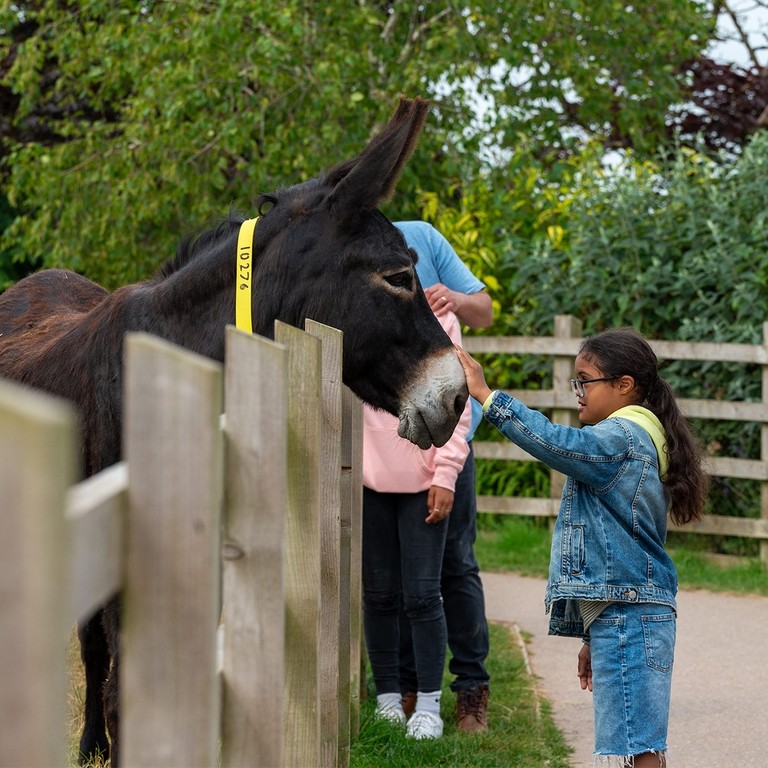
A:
[(409, 703), (472, 709)]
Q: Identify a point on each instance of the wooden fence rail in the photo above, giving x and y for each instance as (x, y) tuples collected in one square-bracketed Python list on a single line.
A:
[(234, 540), (563, 347)]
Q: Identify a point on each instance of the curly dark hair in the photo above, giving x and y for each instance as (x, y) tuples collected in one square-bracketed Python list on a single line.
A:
[(624, 352)]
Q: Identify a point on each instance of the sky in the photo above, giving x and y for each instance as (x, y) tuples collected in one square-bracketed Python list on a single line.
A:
[(755, 19)]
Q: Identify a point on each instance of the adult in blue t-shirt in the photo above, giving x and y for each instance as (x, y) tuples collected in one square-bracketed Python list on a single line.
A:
[(451, 287)]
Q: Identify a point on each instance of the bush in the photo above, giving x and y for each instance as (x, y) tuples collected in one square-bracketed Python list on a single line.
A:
[(677, 248)]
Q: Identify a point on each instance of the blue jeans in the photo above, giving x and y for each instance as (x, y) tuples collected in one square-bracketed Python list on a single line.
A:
[(463, 597), (632, 648), (402, 557)]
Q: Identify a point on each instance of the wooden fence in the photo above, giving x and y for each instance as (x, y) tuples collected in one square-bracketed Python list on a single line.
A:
[(563, 347), (234, 538)]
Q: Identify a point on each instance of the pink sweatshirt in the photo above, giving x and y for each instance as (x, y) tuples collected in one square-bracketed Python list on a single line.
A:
[(392, 464)]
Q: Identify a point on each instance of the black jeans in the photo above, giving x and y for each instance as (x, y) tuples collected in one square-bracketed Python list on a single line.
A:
[(463, 596), (402, 559)]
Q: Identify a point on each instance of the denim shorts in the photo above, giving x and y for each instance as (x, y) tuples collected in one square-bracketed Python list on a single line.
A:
[(632, 647)]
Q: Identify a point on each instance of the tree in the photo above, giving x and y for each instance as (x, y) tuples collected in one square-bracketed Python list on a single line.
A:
[(124, 125)]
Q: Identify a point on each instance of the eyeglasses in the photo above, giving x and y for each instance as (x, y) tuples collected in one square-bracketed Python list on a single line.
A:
[(577, 385)]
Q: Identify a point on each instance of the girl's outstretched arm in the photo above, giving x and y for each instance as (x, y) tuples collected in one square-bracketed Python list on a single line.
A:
[(475, 376)]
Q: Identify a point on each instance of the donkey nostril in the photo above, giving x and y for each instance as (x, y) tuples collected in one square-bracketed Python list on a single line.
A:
[(458, 404)]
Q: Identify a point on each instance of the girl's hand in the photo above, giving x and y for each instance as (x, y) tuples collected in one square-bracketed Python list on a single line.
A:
[(439, 504), (585, 667), (475, 376)]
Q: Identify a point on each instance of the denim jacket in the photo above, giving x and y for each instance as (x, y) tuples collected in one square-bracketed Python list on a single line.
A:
[(608, 542)]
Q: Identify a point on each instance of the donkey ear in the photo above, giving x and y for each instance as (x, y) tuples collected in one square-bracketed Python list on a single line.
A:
[(370, 178)]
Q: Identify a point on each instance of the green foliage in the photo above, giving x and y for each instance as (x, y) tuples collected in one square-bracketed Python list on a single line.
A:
[(697, 571), (13, 265), (494, 222), (676, 250), (526, 479), (193, 113), (157, 116), (585, 68), (497, 225), (677, 247)]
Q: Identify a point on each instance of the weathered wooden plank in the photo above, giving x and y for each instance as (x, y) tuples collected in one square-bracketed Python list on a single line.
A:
[(95, 515), (724, 410), (330, 539), (518, 505), (301, 728), (494, 450), (711, 351), (724, 466), (723, 525), (256, 497), (666, 350), (350, 593), (173, 446), (521, 345), (37, 450), (720, 466)]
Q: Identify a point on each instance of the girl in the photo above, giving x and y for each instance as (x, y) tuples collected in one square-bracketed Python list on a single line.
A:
[(610, 580), (407, 496)]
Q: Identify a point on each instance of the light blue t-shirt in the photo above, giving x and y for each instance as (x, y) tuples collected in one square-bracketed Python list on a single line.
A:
[(439, 263)]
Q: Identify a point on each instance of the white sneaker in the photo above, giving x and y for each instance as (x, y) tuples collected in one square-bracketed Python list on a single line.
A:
[(393, 713), (424, 725)]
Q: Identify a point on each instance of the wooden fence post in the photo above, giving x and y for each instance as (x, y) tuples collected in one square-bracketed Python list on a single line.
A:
[(566, 326), (301, 729), (330, 539), (37, 465), (254, 592), (352, 572), (173, 446)]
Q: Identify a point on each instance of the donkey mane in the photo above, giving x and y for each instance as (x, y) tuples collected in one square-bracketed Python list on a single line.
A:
[(217, 231), (199, 242)]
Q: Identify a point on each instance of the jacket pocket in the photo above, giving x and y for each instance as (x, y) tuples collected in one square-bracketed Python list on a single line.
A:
[(577, 548)]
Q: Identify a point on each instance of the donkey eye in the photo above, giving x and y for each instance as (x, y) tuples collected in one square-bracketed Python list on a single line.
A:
[(400, 279)]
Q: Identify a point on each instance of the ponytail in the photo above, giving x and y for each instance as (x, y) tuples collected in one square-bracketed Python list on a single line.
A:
[(686, 481)]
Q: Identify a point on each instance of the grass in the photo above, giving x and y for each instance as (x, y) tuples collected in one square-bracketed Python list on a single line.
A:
[(522, 545), (521, 734)]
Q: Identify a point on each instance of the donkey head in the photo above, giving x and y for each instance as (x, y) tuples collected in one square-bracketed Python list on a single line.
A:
[(324, 251)]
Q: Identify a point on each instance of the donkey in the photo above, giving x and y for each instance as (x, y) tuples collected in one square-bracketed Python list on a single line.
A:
[(321, 250)]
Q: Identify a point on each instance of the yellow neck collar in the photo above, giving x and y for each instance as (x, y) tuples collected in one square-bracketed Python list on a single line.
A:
[(244, 275)]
